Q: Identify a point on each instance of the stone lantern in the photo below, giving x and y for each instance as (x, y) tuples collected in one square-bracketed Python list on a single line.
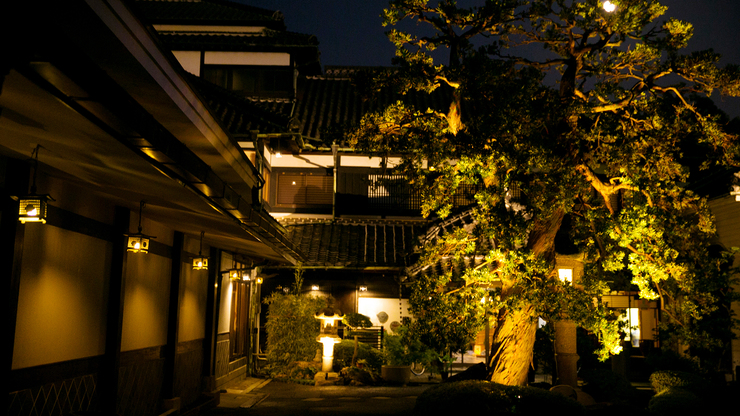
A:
[(328, 335)]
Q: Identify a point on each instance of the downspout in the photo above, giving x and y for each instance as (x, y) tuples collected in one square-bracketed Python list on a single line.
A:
[(335, 154)]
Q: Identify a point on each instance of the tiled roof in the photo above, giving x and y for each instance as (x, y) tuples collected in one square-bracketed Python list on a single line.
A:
[(267, 40), (303, 49), (436, 230), (355, 243), (240, 115), (333, 100), (206, 12)]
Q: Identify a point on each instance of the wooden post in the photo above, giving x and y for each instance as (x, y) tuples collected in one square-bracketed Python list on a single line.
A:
[(108, 378)]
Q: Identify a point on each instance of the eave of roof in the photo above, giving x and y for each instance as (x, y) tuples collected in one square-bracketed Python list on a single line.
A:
[(333, 100), (207, 12), (355, 244), (241, 115)]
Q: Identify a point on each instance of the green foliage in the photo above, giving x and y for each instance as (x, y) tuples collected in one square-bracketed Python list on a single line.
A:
[(446, 321), (356, 320), (291, 328), (675, 401), (482, 397), (404, 349), (608, 148), (667, 379), (344, 351)]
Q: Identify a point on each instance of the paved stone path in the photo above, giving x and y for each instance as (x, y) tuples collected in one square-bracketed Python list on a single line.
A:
[(254, 397)]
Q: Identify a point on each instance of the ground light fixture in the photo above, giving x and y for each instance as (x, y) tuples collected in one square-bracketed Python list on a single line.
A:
[(200, 262), (139, 242), (33, 207), (328, 335), (609, 6), (315, 288)]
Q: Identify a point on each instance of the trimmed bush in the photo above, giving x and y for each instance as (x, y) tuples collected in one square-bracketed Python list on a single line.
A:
[(675, 401), (607, 386), (475, 396), (664, 380), (344, 350)]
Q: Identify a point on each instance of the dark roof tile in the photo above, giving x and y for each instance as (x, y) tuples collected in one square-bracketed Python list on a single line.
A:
[(333, 101), (354, 243), (207, 12)]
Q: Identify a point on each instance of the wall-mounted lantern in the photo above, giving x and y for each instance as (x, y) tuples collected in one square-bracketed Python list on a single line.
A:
[(363, 288), (139, 242), (200, 262), (32, 207)]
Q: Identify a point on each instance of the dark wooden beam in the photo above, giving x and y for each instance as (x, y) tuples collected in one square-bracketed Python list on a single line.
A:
[(170, 350), (108, 378), (209, 343), (11, 238)]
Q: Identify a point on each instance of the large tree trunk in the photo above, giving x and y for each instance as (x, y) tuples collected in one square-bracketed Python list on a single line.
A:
[(513, 339), (513, 344)]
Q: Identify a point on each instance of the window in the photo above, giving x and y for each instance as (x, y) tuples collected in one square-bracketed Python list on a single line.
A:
[(264, 81), (302, 189)]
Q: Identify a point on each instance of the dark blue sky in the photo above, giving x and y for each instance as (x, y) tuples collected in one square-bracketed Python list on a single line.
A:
[(350, 31)]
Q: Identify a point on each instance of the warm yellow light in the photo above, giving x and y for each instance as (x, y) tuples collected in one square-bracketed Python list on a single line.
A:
[(259, 280), (363, 288), (32, 209), (137, 243), (609, 6), (278, 154), (314, 287), (565, 275), (200, 263)]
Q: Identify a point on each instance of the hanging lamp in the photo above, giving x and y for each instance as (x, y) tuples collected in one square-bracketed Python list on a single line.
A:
[(200, 262), (33, 207), (139, 242)]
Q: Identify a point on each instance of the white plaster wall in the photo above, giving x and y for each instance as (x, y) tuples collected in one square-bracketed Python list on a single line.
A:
[(372, 306), (146, 301), (192, 303), (190, 60), (246, 58), (61, 299)]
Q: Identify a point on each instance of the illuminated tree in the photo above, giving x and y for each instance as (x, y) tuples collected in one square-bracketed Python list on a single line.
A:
[(601, 157)]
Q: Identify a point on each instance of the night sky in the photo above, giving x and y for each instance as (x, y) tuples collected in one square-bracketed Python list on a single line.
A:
[(350, 31)]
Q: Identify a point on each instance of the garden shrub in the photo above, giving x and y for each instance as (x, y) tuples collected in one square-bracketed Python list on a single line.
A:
[(669, 360), (607, 386), (674, 401), (356, 320), (344, 350), (474, 396), (664, 380), (291, 329)]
